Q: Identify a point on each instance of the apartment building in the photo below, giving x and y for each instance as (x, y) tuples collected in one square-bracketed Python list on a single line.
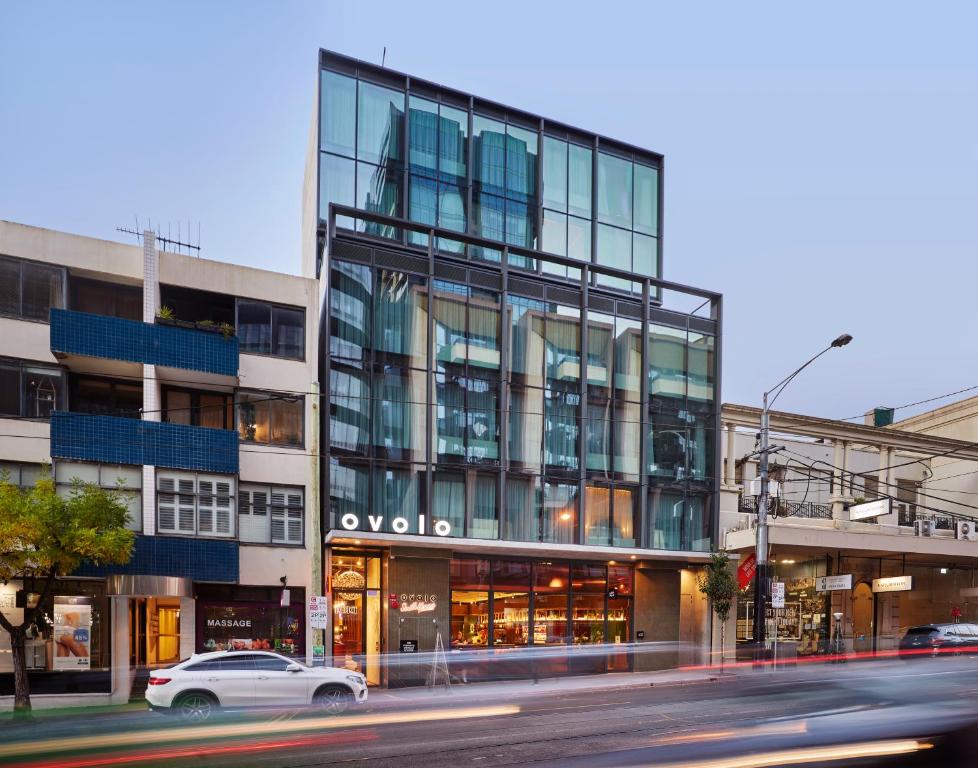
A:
[(192, 384)]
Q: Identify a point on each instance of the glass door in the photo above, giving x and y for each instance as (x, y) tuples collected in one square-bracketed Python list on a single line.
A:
[(356, 600), (137, 632)]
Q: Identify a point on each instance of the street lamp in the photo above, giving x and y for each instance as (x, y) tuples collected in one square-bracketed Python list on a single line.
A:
[(760, 548)]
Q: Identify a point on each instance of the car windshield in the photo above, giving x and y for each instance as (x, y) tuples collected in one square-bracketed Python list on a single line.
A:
[(922, 630)]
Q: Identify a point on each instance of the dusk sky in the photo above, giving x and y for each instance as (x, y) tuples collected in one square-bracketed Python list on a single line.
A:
[(820, 172)]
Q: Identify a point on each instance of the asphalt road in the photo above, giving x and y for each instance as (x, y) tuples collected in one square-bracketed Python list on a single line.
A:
[(639, 725)]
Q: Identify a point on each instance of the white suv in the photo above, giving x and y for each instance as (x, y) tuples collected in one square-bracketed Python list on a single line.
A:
[(195, 688)]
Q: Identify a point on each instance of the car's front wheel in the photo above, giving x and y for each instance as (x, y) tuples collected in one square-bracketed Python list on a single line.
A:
[(333, 699), (195, 707)]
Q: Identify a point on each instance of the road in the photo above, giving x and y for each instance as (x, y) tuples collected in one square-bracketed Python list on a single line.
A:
[(521, 724)]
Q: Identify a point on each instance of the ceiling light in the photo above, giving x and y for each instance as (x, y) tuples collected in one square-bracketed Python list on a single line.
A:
[(943, 571)]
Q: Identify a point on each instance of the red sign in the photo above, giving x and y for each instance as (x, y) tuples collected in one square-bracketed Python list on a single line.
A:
[(956, 613), (392, 600), (746, 569)]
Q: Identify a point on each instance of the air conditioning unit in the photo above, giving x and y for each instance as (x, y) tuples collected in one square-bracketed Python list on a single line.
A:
[(966, 530), (923, 527)]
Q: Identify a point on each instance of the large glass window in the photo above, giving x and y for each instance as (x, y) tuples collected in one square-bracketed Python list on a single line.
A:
[(566, 189), (271, 418), (559, 513), (98, 297), (350, 302), (614, 190), (127, 480), (337, 117), (561, 430), (30, 391), (349, 411), (399, 414), (197, 408), (264, 329), (522, 508), (29, 290), (106, 397), (380, 123)]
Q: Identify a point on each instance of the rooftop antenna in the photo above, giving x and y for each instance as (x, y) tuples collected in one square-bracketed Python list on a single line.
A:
[(177, 244), (383, 58)]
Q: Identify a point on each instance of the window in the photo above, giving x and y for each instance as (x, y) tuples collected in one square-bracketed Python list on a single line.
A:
[(272, 418), (21, 475), (271, 515), (198, 409), (29, 290), (271, 664), (264, 329), (105, 397), (193, 504), (30, 391), (566, 200), (110, 477), (98, 297)]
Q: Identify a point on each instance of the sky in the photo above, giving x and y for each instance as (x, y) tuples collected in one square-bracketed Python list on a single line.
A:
[(821, 161)]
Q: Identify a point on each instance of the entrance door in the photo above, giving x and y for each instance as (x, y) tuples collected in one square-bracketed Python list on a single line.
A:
[(356, 600), (348, 629), (862, 618)]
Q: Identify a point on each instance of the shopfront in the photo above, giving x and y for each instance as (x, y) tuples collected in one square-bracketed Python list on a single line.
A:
[(870, 601), (235, 617), (68, 646), (493, 617)]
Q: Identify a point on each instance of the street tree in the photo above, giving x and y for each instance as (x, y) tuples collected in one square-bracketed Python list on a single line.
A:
[(717, 582), (45, 535)]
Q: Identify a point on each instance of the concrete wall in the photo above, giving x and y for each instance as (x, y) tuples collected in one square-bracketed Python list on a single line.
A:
[(657, 614), (417, 572)]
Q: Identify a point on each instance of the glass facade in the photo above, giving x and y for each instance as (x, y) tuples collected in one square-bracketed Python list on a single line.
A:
[(471, 398), (478, 411), (445, 160)]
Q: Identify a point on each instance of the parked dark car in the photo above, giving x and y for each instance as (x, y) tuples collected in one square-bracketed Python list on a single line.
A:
[(935, 639)]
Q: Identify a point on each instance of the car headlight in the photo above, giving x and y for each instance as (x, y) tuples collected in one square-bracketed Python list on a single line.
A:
[(358, 679)]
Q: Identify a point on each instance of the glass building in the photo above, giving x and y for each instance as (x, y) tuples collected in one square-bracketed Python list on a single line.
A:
[(514, 391)]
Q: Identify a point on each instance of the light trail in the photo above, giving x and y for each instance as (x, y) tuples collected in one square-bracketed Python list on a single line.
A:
[(244, 730), (215, 750), (804, 755)]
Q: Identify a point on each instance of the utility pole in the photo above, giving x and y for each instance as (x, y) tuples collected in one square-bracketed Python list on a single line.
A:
[(762, 580)]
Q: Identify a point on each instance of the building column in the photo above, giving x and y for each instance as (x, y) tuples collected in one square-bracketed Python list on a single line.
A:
[(188, 627), (121, 675), (884, 471), (152, 394), (729, 464), (840, 493)]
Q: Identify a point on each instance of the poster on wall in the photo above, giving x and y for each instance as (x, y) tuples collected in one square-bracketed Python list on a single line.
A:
[(72, 632)]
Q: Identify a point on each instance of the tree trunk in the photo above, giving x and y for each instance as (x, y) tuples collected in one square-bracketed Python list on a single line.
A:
[(723, 632), (22, 687)]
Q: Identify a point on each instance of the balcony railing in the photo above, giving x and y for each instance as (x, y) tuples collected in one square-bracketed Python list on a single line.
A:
[(118, 440), (115, 338), (784, 508)]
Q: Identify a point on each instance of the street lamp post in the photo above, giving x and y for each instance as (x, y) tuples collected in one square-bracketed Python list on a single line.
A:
[(761, 579)]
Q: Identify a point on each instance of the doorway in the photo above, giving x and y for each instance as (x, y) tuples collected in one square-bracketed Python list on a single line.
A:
[(154, 631), (357, 633), (862, 618)]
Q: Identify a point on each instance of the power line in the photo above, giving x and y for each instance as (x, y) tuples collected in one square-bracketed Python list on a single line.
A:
[(918, 402)]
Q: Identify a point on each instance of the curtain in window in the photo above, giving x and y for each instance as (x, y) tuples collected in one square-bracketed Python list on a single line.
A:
[(522, 508), (667, 519), (559, 514), (597, 515), (401, 320), (349, 493), (396, 495), (623, 530), (561, 430), (449, 501), (349, 310), (485, 510), (349, 418)]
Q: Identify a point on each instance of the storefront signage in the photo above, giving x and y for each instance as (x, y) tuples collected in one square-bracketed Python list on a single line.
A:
[(72, 632), (230, 623), (409, 646), (787, 621), (870, 509), (351, 522), (745, 571), (418, 603), (832, 583), (318, 611), (777, 594), (893, 584)]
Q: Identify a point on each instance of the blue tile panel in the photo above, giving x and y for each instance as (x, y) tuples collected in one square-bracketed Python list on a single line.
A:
[(118, 440), (198, 559), (114, 338)]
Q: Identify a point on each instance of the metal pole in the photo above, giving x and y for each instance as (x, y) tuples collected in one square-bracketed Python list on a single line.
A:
[(761, 575)]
